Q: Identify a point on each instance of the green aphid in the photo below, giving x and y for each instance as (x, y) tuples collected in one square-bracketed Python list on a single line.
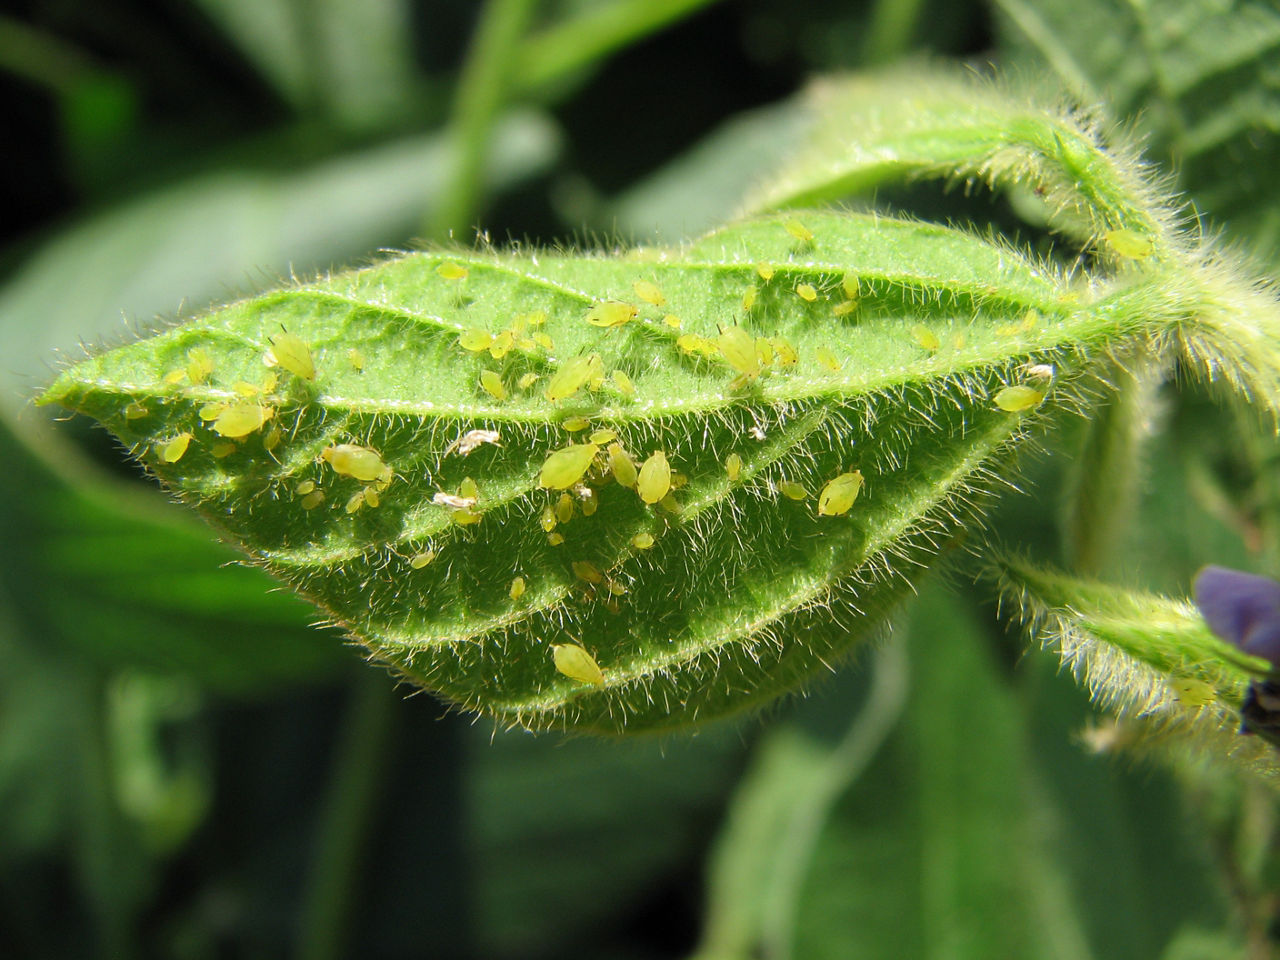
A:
[(1192, 692), (829, 359), (1018, 398), (654, 480), (650, 293), (420, 560), (925, 337), (622, 466), (516, 590), (355, 501), (611, 313), (838, 495), (135, 411), (624, 384), (211, 410), (272, 439), (492, 384), (642, 541), (799, 231), (199, 365), (567, 466), (575, 424), (351, 460), (602, 437), (555, 538), (475, 340), (356, 359), (733, 467), (574, 374), (292, 352), (590, 502), (739, 350), (765, 271), (807, 292), (844, 308), (1130, 244), (220, 450), (586, 571), (564, 508), (241, 419), (787, 355), (171, 451), (304, 488), (526, 381), (313, 499), (749, 297), (450, 270), (576, 664), (548, 518), (792, 490)]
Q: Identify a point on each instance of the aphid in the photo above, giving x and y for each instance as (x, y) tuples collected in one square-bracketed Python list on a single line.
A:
[(313, 499), (220, 450), (468, 489), (590, 502), (576, 664), (175, 377), (649, 293), (527, 380), (572, 376), (849, 284), (492, 384), (749, 297), (733, 467), (475, 339), (199, 365), (925, 337), (452, 271), (242, 419), (601, 437), (564, 508), (272, 439), (575, 424), (828, 359), (355, 501), (807, 292), (135, 411), (616, 589), (351, 460), (787, 355), (501, 345), (471, 440), (642, 541), (693, 343), (764, 351), (654, 480), (465, 517), (765, 271), (792, 490), (420, 560), (1017, 398), (544, 341), (548, 518), (622, 466), (211, 410), (567, 466), (372, 498), (356, 359), (672, 321), (268, 382), (517, 589), (670, 504), (292, 352), (838, 495), (171, 451), (246, 389), (678, 480), (624, 384), (611, 313), (305, 487), (799, 231), (1192, 692), (587, 571), (958, 340), (844, 308), (555, 539), (739, 350), (1130, 244)]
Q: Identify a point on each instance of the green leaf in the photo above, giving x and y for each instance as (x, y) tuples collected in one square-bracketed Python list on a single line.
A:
[(745, 593), (1150, 660)]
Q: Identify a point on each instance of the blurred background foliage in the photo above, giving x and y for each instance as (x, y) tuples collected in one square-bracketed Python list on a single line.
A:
[(189, 769)]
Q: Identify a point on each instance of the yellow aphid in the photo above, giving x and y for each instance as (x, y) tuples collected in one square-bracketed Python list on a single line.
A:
[(925, 337), (468, 489), (693, 343), (516, 590), (420, 560), (739, 349), (624, 384), (211, 410), (356, 359), (544, 341), (765, 270), (1017, 398), (313, 499), (492, 384), (135, 411), (798, 230), (351, 460), (828, 359), (733, 467), (611, 313), (475, 339), (764, 351), (576, 664), (199, 365), (242, 419), (616, 589), (1130, 243), (564, 508), (572, 376), (642, 541), (465, 517), (372, 497), (269, 382), (555, 539), (601, 437), (672, 321), (792, 490), (567, 466), (749, 297), (293, 353), (1192, 692), (452, 271), (849, 284), (649, 293), (622, 466), (174, 377), (246, 389), (305, 487), (501, 345), (548, 518), (220, 450), (589, 572), (844, 308), (272, 439), (527, 380), (575, 424), (355, 501), (654, 480), (670, 504), (806, 292), (171, 451), (590, 502), (787, 355), (838, 495), (536, 318)]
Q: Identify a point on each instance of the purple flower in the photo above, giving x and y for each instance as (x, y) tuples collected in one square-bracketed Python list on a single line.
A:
[(1242, 609)]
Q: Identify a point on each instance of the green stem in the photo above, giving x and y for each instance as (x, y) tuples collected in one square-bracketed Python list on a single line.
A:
[(359, 761), (485, 82), (890, 30)]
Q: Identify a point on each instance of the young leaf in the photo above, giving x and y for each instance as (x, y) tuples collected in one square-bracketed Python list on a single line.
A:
[(740, 594)]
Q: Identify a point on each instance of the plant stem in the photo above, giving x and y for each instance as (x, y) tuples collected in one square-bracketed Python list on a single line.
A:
[(891, 29), (486, 79)]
